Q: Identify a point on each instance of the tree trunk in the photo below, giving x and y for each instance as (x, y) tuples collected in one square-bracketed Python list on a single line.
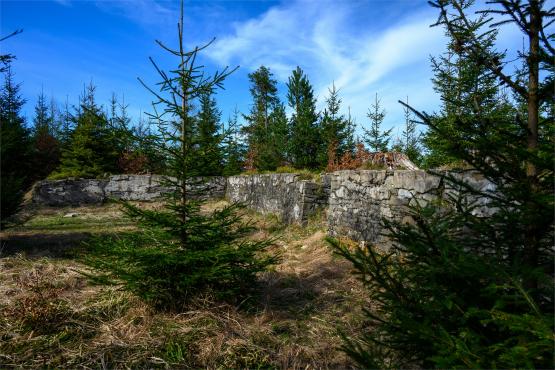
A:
[(531, 238)]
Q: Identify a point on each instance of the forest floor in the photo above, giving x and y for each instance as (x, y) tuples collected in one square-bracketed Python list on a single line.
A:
[(52, 315)]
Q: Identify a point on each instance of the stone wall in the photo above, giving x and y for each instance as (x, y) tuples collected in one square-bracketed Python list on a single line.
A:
[(356, 201), (286, 195), (359, 200), (74, 192)]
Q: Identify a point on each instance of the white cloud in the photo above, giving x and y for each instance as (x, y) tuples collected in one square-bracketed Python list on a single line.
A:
[(148, 13), (321, 38)]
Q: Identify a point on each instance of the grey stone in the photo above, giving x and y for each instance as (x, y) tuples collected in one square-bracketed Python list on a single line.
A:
[(73, 192)]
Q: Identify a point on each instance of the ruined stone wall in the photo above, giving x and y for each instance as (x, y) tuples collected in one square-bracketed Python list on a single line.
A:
[(356, 201), (359, 200), (284, 194), (72, 192)]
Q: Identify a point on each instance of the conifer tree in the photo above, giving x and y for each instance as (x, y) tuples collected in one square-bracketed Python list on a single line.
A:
[(46, 147), (14, 147), (336, 130), (259, 122), (470, 282), (121, 139), (93, 150), (410, 137), (303, 126), (233, 147), (377, 140), (466, 87), (121, 135), (208, 138), (182, 252), (274, 152), (66, 124)]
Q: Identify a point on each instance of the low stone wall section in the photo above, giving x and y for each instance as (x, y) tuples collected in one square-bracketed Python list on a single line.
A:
[(286, 195), (356, 201), (360, 200), (73, 192)]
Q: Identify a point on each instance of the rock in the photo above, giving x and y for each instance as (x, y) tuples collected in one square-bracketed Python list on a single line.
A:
[(71, 214), (69, 192)]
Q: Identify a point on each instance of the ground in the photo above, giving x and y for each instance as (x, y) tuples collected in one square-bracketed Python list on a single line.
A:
[(53, 316)]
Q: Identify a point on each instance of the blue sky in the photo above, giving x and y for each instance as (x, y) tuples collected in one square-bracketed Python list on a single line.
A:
[(364, 46)]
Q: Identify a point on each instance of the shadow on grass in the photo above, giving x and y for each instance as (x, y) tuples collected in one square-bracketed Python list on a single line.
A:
[(36, 245), (293, 295)]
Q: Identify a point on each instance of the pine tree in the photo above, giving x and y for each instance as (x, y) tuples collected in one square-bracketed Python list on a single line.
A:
[(94, 149), (233, 148), (303, 126), (461, 287), (14, 147), (259, 124), (377, 140), (466, 86), (336, 130), (46, 147), (182, 252), (208, 138), (410, 137)]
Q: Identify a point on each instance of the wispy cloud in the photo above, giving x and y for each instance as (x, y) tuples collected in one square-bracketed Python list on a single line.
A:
[(321, 39), (148, 13)]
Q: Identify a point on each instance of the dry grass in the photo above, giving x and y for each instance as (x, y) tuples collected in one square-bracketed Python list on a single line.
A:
[(52, 316)]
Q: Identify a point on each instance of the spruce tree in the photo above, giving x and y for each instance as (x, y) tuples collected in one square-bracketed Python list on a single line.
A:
[(66, 125), (303, 126), (121, 139), (46, 147), (208, 138), (466, 87), (410, 137), (274, 152), (259, 122), (336, 130), (180, 251), (377, 140), (146, 149), (119, 122), (14, 147), (233, 148), (94, 149), (470, 282)]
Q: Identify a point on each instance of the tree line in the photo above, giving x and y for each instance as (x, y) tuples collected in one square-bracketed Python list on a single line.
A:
[(92, 139)]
